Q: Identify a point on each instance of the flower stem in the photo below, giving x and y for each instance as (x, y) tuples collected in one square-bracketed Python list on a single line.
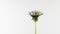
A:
[(35, 28)]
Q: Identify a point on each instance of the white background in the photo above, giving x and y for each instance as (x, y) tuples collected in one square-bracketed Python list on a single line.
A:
[(15, 18)]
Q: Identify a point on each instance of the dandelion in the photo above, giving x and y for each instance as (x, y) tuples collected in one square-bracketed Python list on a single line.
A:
[(35, 14)]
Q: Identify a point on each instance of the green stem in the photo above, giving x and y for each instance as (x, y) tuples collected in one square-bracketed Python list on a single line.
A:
[(35, 28)]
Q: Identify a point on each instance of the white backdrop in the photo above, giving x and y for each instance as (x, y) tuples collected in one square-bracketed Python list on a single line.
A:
[(14, 17)]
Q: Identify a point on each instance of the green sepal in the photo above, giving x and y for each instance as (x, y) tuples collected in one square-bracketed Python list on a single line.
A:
[(35, 18)]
